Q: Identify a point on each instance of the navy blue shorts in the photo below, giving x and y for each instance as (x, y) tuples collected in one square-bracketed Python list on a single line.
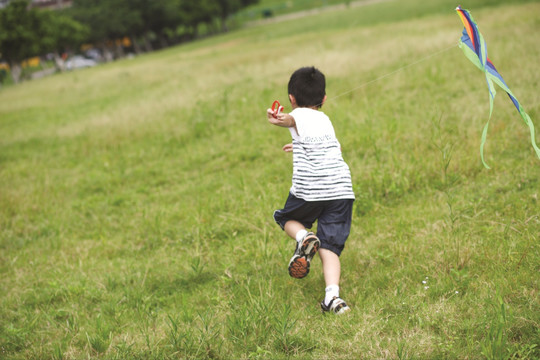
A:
[(334, 219)]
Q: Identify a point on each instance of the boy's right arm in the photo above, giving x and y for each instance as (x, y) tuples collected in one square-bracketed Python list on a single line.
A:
[(281, 119)]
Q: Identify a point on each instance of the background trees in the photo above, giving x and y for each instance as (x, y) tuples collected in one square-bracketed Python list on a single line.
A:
[(108, 20), (61, 34), (151, 23), (229, 7), (27, 32), (19, 35)]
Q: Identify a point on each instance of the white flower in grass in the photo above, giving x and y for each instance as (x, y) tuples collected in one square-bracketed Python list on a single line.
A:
[(426, 287)]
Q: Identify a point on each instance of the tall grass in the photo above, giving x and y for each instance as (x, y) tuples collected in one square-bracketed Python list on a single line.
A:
[(136, 197)]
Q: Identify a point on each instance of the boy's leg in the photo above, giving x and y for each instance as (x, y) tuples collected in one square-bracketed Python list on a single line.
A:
[(332, 272), (292, 227), (294, 218), (333, 230), (331, 267)]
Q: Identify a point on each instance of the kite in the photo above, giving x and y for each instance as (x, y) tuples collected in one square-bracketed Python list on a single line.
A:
[(474, 47)]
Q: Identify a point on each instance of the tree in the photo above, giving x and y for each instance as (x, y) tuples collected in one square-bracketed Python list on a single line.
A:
[(61, 34), (196, 12), (159, 18), (27, 32), (19, 35), (229, 7), (108, 20)]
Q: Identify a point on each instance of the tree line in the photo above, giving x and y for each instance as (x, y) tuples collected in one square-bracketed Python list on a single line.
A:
[(27, 32)]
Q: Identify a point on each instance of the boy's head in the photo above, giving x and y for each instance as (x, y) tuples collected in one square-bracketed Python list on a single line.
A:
[(308, 87)]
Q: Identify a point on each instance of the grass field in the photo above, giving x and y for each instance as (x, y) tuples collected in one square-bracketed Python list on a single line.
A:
[(136, 198)]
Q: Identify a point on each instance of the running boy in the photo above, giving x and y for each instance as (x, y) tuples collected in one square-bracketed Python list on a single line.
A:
[(321, 185)]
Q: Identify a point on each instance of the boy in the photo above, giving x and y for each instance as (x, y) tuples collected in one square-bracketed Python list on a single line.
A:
[(321, 185)]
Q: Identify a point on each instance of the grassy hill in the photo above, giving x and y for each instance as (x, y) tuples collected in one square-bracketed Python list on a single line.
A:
[(136, 198)]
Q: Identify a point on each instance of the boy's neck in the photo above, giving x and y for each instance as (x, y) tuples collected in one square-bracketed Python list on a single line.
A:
[(305, 107)]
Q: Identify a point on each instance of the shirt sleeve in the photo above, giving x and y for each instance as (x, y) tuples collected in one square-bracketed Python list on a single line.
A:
[(296, 131), (294, 134)]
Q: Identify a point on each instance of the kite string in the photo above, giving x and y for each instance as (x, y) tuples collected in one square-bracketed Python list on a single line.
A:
[(393, 72)]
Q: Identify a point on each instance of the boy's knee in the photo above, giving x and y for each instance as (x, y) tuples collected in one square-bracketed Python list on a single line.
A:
[(333, 248)]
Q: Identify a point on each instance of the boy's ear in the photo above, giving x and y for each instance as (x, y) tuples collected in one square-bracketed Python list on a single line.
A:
[(323, 100), (292, 99)]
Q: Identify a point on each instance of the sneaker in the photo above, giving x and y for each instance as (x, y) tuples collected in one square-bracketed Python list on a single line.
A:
[(305, 250), (337, 305)]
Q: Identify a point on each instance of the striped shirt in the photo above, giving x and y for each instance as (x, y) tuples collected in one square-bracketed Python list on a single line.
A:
[(319, 171)]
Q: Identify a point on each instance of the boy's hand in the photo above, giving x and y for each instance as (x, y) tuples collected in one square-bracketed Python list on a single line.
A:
[(282, 119), (288, 148)]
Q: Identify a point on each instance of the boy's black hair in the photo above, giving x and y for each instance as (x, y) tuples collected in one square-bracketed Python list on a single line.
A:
[(308, 86)]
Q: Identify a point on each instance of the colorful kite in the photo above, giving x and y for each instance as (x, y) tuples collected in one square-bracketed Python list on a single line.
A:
[(474, 47)]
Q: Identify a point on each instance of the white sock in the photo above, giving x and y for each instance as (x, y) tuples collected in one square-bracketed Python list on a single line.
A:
[(331, 291), (300, 235)]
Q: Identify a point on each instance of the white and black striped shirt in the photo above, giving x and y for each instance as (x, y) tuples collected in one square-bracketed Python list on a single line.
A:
[(319, 171)]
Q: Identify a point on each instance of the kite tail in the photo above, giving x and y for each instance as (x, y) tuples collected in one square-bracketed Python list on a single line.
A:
[(526, 118), (484, 136), (529, 123), (492, 93), (474, 47)]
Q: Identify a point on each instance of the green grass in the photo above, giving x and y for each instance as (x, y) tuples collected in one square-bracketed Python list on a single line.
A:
[(281, 7), (136, 198)]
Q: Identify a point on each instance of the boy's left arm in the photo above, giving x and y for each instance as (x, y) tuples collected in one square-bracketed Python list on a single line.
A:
[(287, 147)]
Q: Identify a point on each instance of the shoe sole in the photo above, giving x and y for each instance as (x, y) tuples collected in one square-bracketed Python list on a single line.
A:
[(300, 263)]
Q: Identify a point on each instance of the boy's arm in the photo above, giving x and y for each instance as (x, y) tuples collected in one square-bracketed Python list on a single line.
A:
[(287, 148), (281, 119)]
